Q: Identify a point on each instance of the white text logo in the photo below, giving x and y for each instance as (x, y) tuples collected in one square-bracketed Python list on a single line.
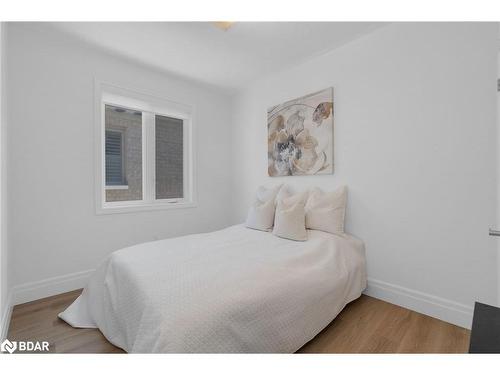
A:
[(24, 346), (8, 346)]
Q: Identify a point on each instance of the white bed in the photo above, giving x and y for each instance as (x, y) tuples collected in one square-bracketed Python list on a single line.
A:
[(233, 290)]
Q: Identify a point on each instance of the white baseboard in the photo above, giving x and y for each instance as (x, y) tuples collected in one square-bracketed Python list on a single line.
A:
[(5, 318), (40, 289), (49, 287), (440, 308)]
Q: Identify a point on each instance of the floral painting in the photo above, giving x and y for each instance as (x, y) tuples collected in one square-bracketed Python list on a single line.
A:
[(300, 136)]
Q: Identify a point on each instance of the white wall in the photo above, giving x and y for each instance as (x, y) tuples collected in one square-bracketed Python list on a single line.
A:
[(4, 304), (53, 228), (498, 168), (2, 283), (415, 133)]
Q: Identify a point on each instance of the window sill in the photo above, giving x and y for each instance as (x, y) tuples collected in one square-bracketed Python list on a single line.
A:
[(117, 187), (128, 207)]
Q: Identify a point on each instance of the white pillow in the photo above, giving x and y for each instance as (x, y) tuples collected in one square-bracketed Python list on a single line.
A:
[(261, 213), (326, 211), (265, 194), (286, 192), (290, 218)]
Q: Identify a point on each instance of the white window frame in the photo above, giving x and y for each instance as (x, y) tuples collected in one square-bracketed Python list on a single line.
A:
[(150, 105)]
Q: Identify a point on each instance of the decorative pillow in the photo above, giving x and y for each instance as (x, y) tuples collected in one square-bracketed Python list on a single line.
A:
[(326, 211), (286, 192), (261, 213), (265, 194), (289, 221)]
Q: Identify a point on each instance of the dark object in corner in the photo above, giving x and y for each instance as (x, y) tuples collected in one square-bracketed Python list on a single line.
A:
[(485, 334)]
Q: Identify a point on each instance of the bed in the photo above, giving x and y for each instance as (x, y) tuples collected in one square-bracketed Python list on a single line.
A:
[(236, 290)]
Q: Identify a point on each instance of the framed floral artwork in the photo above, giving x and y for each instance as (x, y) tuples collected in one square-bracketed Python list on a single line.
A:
[(300, 136)]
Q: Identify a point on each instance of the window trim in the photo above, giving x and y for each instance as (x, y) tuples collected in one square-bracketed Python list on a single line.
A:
[(111, 94), (116, 187)]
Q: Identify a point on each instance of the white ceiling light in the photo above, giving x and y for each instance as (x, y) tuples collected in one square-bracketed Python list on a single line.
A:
[(223, 25)]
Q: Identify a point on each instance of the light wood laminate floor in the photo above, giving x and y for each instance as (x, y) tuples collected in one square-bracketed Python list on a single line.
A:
[(367, 325)]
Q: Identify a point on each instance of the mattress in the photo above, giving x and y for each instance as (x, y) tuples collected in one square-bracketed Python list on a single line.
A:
[(236, 290)]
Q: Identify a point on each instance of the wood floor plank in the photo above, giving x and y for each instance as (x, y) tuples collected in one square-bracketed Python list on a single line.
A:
[(367, 325)]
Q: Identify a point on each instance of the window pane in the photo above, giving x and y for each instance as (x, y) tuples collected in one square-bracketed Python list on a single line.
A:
[(169, 157), (123, 154), (114, 158)]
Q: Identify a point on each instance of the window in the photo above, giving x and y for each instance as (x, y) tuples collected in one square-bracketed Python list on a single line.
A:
[(123, 154), (145, 159), (169, 158), (114, 158)]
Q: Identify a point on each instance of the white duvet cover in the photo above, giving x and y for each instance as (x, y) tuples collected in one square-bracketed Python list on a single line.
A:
[(234, 290)]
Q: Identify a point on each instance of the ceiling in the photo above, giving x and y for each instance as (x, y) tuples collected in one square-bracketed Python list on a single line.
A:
[(229, 59)]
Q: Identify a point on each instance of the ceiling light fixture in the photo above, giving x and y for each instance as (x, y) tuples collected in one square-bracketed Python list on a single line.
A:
[(223, 25)]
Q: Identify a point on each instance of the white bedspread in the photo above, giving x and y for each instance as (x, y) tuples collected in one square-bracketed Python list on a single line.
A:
[(234, 290)]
